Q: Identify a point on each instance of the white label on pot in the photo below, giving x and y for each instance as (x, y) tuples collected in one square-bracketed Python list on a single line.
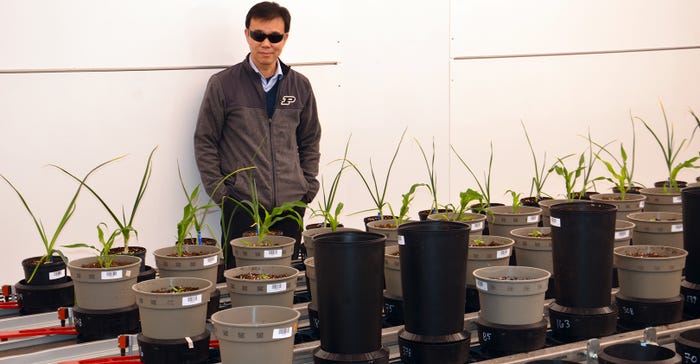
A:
[(401, 241), (641, 204), (533, 218), (619, 235), (478, 226), (554, 221), (282, 333), (111, 274), (677, 199), (676, 228), (210, 261), (192, 300), (57, 274), (482, 285), (277, 287), (277, 253), (503, 253)]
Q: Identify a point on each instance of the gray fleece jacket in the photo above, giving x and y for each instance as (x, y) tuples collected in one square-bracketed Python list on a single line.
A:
[(233, 131)]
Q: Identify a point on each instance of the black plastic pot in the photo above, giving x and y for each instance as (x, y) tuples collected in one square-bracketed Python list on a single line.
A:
[(690, 287), (681, 184), (637, 353), (433, 276), (53, 272), (423, 214), (184, 351), (688, 345), (583, 235), (349, 266), (136, 251)]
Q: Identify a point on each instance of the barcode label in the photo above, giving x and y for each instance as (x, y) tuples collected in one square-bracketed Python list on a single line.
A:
[(401, 241), (282, 333), (533, 218), (112, 274), (554, 221), (482, 285), (619, 235), (478, 226), (192, 300), (277, 287), (57, 274), (641, 204), (277, 253), (677, 199), (676, 228), (211, 260), (503, 253)]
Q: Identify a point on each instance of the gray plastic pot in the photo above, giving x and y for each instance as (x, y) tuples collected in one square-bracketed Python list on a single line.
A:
[(658, 228), (392, 272), (256, 334), (533, 251), (267, 292), (247, 252), (632, 203), (661, 200), (104, 288), (649, 277), (476, 222), (166, 316), (624, 231), (494, 251), (511, 295), (204, 265), (502, 219)]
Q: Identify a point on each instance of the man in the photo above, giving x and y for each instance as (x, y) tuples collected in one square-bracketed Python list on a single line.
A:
[(259, 113)]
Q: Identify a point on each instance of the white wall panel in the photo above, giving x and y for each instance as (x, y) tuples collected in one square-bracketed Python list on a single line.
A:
[(38, 34), (501, 27), (559, 99), (78, 120)]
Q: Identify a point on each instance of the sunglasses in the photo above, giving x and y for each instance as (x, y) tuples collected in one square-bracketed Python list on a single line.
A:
[(259, 36)]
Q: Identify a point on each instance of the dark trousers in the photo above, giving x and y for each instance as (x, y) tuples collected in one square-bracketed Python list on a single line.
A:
[(235, 221)]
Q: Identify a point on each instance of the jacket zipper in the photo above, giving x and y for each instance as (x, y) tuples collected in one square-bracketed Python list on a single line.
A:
[(272, 159)]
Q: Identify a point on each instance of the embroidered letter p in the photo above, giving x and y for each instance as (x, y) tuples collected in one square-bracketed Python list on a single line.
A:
[(288, 100)]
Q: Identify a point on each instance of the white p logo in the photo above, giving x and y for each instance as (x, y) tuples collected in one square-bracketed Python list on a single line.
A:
[(288, 100)]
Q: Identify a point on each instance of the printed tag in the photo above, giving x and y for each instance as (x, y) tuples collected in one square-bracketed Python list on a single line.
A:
[(482, 285), (277, 287), (111, 274), (641, 204), (211, 260), (619, 235), (401, 241), (677, 199), (554, 221), (533, 218), (277, 253), (282, 333), (192, 300), (57, 274), (503, 253), (676, 228), (477, 226)]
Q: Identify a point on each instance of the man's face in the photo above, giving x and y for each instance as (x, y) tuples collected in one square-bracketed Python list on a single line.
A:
[(265, 53)]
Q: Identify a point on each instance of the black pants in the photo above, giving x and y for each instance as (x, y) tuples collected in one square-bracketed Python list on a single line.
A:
[(235, 221)]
